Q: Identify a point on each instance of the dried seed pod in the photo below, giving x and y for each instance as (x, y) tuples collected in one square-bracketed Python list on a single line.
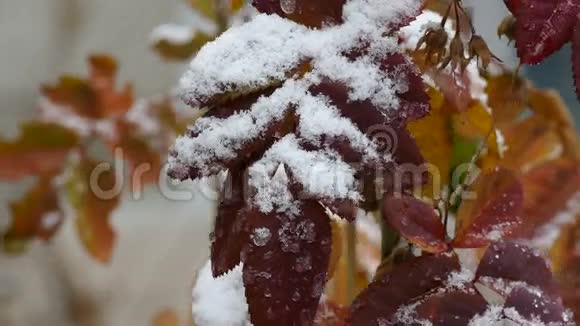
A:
[(478, 49), (456, 54), (435, 40)]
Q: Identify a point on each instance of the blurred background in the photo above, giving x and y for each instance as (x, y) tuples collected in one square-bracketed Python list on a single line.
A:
[(161, 243)]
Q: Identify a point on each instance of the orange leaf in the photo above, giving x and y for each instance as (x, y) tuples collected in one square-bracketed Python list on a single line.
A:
[(144, 161), (547, 188), (37, 215), (167, 317), (506, 97), (531, 142), (42, 148), (494, 214), (93, 193), (95, 97)]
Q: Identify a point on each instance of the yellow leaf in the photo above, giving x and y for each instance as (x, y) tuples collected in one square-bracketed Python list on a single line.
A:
[(205, 7), (236, 5), (179, 51), (433, 136)]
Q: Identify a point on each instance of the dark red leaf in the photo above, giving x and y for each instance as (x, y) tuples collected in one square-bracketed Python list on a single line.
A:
[(514, 262), (454, 308), (285, 265), (403, 284), (513, 5), (532, 304), (229, 236), (543, 27), (576, 57), (494, 214), (306, 12), (416, 221)]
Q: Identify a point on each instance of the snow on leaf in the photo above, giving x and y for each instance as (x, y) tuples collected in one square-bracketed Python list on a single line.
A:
[(532, 304), (543, 27), (416, 221), (494, 214), (219, 301), (41, 148), (285, 276), (229, 234), (37, 215), (93, 193), (305, 12), (513, 262), (400, 286)]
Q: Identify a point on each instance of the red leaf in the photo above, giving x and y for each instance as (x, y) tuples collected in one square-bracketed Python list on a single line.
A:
[(229, 236), (285, 265), (416, 221), (403, 284), (515, 262), (306, 12), (542, 27), (532, 305), (454, 308), (494, 214), (576, 57)]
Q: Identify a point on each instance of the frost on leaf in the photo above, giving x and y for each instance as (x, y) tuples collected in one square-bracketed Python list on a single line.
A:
[(513, 262), (494, 214), (543, 27), (532, 304), (37, 215), (41, 148), (285, 271), (306, 12), (416, 221), (455, 307), (229, 234), (381, 300)]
